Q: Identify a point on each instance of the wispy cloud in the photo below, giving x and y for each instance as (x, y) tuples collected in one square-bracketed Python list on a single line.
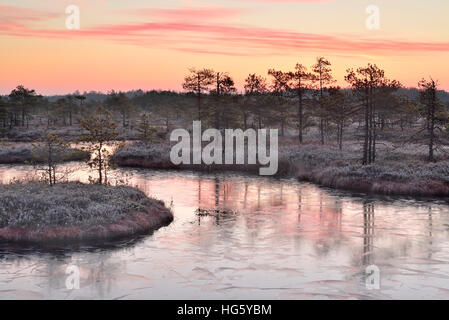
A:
[(13, 14), (298, 1), (175, 29), (189, 13)]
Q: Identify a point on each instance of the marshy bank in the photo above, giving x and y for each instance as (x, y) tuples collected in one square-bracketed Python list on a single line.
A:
[(399, 170), (68, 133), (28, 153), (157, 156), (73, 211)]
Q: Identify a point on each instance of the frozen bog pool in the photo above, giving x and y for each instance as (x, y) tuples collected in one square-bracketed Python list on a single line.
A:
[(285, 240)]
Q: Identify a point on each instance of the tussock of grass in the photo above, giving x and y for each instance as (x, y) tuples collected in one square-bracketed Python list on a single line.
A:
[(75, 211)]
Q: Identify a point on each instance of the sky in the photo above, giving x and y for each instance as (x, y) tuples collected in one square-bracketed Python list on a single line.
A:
[(136, 44)]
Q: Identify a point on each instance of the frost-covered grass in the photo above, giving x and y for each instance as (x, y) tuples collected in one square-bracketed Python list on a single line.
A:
[(21, 153), (157, 156), (399, 169), (159, 151), (138, 154), (68, 133), (36, 132), (35, 211), (37, 204), (397, 172)]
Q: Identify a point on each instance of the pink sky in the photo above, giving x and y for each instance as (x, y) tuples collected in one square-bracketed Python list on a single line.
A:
[(125, 45)]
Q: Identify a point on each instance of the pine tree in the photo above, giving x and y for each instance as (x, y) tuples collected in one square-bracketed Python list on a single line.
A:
[(101, 133)]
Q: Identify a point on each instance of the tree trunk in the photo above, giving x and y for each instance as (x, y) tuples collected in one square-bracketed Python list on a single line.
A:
[(100, 166), (50, 164), (365, 144), (282, 126), (373, 157), (340, 135), (432, 128), (199, 98), (245, 120), (300, 117)]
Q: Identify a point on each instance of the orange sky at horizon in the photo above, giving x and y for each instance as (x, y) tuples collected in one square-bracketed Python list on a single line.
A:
[(151, 45)]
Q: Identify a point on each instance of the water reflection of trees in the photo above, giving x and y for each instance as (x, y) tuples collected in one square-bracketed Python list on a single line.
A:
[(430, 227), (368, 233), (284, 203)]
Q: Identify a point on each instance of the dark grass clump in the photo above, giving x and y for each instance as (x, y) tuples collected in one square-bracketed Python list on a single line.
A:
[(37, 212), (213, 212)]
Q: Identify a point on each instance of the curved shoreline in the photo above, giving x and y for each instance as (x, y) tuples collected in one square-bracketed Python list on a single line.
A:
[(76, 212), (430, 188), (391, 187), (135, 223), (165, 164)]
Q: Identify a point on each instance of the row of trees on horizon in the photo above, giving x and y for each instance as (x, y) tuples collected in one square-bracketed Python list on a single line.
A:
[(373, 102), (299, 99)]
